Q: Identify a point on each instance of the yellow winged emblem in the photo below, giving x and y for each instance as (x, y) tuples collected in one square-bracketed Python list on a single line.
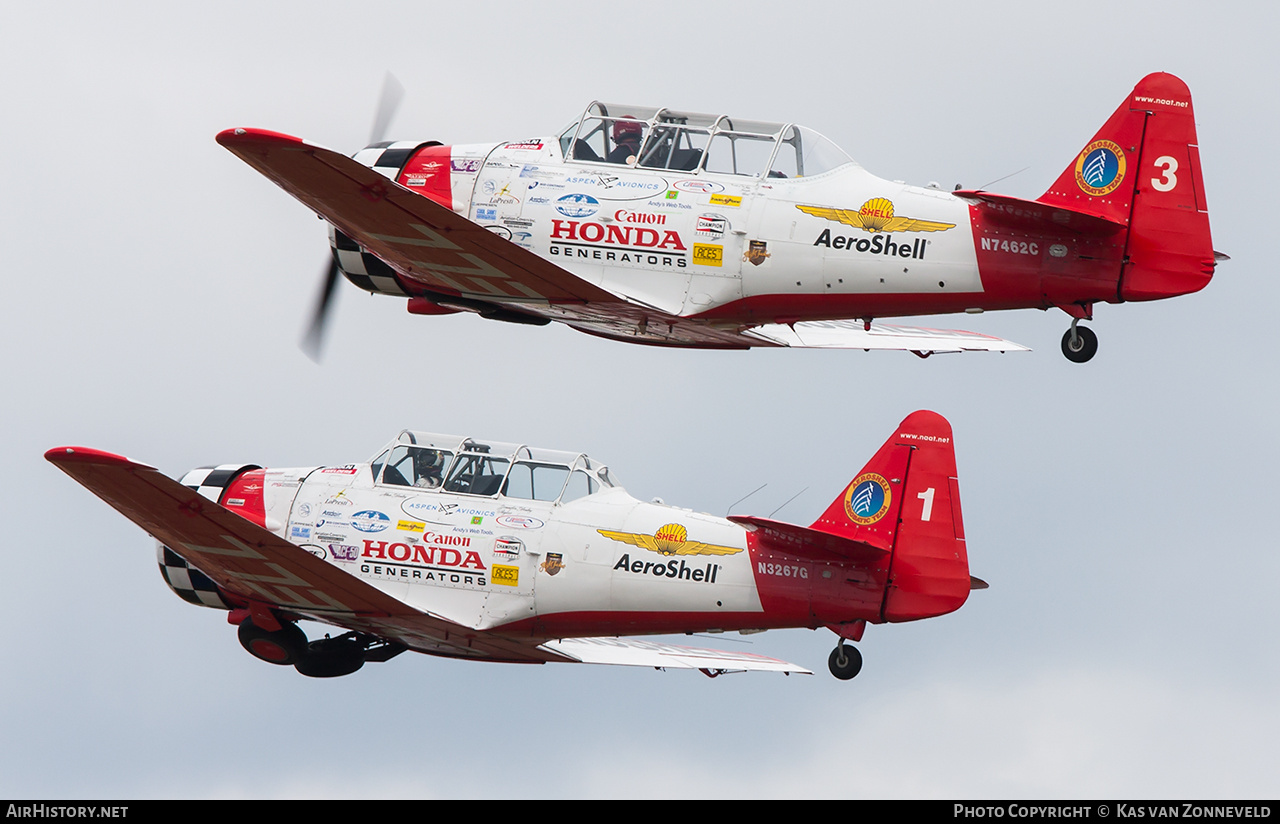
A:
[(671, 539), (876, 215)]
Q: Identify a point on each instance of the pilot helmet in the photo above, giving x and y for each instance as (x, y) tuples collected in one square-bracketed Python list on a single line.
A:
[(627, 130)]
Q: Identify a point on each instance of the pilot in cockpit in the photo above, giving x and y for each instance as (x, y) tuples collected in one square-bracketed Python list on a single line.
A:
[(427, 468), (627, 133)]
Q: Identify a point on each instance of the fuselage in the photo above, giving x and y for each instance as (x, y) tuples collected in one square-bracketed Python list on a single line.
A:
[(579, 557)]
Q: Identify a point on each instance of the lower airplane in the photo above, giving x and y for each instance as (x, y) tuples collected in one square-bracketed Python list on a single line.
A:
[(501, 552)]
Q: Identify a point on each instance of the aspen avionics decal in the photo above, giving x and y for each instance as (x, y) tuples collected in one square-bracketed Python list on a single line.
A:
[(867, 499), (1100, 168), (671, 539)]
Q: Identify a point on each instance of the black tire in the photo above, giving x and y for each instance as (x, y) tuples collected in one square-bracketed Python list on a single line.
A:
[(284, 646), (329, 663), (1085, 345), (851, 665)]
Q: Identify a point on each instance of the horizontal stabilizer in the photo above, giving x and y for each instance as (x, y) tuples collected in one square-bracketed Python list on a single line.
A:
[(1034, 216), (631, 652), (850, 334), (803, 542)]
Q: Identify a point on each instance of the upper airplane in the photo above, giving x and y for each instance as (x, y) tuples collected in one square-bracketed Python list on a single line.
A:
[(680, 229)]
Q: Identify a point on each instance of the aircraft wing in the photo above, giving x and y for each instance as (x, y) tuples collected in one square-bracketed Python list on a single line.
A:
[(633, 652), (849, 334), (257, 566), (440, 255)]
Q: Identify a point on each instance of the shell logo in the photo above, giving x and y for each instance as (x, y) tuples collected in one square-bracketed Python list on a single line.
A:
[(876, 213), (670, 538)]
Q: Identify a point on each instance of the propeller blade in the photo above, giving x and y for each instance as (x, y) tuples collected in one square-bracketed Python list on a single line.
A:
[(392, 94), (312, 341)]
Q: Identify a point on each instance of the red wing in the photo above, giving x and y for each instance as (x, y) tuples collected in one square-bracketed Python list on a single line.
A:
[(443, 253), (416, 236), (255, 565)]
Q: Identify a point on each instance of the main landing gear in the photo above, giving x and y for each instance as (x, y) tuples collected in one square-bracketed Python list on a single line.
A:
[(845, 662), (323, 658)]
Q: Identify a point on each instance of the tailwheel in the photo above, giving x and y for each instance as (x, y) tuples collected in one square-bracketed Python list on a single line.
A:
[(283, 646), (845, 662), (1079, 344)]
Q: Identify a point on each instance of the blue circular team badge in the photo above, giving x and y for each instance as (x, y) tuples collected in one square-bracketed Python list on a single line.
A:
[(867, 499), (1100, 168)]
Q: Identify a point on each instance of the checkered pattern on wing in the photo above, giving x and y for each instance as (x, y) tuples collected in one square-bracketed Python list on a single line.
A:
[(386, 158), (210, 481), (192, 585), (362, 268)]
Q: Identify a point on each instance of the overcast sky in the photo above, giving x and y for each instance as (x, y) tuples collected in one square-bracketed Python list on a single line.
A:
[(158, 287)]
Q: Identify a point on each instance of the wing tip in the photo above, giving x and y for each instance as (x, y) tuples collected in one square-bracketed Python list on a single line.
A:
[(246, 137), (61, 455)]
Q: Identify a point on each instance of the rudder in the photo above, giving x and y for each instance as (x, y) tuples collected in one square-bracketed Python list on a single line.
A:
[(1142, 170), (907, 500)]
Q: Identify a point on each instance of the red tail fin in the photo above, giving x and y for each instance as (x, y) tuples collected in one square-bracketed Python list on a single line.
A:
[(906, 500), (1142, 168)]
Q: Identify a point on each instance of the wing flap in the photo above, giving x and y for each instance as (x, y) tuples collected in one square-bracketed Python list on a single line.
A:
[(849, 334), (633, 652)]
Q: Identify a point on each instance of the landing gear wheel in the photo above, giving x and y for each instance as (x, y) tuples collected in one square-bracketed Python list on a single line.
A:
[(1079, 344), (331, 657), (284, 646), (845, 662)]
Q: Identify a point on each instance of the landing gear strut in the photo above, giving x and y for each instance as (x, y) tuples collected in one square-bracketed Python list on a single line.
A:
[(845, 662), (1079, 344)]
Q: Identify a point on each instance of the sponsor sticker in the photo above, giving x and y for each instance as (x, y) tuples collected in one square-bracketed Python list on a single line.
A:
[(344, 552), (507, 548), (370, 520), (410, 526), (712, 226), (519, 522), (553, 564), (726, 200), (577, 205), (708, 254), (702, 187), (867, 499), (507, 576), (1100, 168)]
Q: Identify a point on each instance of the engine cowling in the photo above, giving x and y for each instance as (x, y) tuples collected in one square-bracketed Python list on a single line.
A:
[(214, 483)]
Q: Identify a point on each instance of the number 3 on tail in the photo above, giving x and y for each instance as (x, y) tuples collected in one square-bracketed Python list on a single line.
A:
[(1167, 179), (927, 497)]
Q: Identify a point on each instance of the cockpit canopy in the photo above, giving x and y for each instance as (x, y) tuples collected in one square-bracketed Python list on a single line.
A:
[(651, 138), (468, 467)]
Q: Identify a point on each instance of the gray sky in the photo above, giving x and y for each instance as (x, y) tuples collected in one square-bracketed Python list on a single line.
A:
[(158, 287)]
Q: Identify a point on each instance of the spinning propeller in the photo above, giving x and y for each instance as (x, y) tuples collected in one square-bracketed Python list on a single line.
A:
[(392, 94)]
